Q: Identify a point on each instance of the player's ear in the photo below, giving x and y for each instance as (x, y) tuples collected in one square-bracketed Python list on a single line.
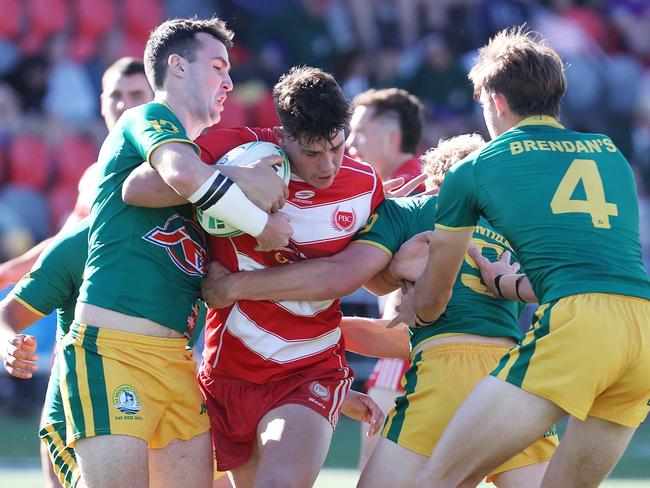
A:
[(176, 65), (279, 133), (500, 103)]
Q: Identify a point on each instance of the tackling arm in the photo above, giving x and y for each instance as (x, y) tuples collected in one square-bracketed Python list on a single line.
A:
[(433, 288), (370, 337), (314, 279)]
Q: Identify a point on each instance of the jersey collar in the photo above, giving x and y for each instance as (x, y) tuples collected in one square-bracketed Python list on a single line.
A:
[(540, 120)]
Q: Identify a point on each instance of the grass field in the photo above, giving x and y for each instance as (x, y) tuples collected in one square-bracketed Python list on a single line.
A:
[(19, 452)]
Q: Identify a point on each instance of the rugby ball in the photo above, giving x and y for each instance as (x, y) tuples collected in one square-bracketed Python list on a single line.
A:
[(244, 155)]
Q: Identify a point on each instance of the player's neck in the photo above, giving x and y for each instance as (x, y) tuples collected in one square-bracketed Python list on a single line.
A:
[(177, 104)]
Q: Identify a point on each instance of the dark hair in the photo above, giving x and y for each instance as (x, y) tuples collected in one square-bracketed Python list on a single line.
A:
[(395, 102), (126, 66), (523, 68), (311, 105), (178, 36)]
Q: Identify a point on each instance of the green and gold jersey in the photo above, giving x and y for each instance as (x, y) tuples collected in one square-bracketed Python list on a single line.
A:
[(54, 281), (473, 309), (142, 262), (566, 201)]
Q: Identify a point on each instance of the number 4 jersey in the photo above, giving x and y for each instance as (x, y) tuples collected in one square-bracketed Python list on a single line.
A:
[(566, 201)]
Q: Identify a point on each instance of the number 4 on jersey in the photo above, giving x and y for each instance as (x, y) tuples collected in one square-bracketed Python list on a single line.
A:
[(584, 170)]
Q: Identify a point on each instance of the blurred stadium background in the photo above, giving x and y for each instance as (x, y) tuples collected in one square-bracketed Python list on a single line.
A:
[(53, 52)]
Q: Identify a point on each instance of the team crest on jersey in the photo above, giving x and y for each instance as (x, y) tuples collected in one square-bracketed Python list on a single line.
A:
[(343, 220), (125, 399), (184, 242), (319, 390)]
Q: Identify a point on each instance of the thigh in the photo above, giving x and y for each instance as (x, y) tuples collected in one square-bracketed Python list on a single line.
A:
[(496, 414), (293, 441), (182, 463), (391, 465), (113, 460), (588, 452)]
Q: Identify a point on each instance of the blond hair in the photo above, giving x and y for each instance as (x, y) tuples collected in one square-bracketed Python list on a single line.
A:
[(437, 160)]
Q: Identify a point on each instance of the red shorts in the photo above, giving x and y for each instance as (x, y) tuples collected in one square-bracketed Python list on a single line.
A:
[(387, 374), (236, 406)]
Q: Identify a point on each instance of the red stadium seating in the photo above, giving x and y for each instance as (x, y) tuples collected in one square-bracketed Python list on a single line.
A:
[(60, 203), (141, 17), (94, 17), (73, 155), (47, 16), (10, 20), (28, 161)]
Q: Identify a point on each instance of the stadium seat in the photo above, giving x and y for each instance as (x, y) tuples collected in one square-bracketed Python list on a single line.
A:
[(30, 208), (141, 17), (60, 203), (10, 20), (47, 16), (28, 162), (94, 18), (73, 155)]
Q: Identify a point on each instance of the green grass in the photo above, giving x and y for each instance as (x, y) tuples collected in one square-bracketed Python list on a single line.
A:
[(19, 457)]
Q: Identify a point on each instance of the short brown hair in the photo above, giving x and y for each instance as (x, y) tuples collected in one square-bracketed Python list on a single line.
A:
[(520, 65), (311, 105), (125, 66), (407, 108), (178, 36), (437, 160)]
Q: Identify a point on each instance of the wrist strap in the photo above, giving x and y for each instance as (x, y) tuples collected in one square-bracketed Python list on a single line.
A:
[(420, 322), (517, 283), (497, 279)]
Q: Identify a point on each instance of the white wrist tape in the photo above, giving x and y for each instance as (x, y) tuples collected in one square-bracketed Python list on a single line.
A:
[(219, 197)]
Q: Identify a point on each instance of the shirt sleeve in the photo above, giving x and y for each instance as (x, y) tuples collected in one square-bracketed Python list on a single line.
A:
[(458, 199), (51, 283), (153, 126), (385, 228)]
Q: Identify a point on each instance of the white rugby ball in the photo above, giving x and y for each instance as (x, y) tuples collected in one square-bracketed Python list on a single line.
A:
[(244, 155)]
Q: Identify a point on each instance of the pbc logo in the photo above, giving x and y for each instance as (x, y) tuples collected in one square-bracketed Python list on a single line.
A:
[(343, 220), (184, 242)]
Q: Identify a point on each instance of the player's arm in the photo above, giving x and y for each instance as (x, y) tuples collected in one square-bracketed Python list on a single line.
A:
[(314, 279), (17, 351), (144, 187), (361, 407), (370, 337), (502, 278), (456, 217)]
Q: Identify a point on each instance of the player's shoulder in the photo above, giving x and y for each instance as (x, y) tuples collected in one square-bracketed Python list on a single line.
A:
[(216, 142), (69, 244)]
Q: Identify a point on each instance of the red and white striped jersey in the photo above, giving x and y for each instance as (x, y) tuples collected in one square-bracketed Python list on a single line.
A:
[(260, 341), (387, 374)]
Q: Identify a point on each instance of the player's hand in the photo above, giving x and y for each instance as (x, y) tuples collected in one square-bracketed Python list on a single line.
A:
[(215, 286), (260, 183), (490, 270), (397, 188), (411, 258), (276, 233), (405, 310), (364, 409), (19, 352)]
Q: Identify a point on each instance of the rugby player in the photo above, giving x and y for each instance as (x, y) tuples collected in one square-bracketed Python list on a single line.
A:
[(142, 404), (567, 203)]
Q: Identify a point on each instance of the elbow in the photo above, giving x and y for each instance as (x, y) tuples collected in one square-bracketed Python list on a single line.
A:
[(128, 195)]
